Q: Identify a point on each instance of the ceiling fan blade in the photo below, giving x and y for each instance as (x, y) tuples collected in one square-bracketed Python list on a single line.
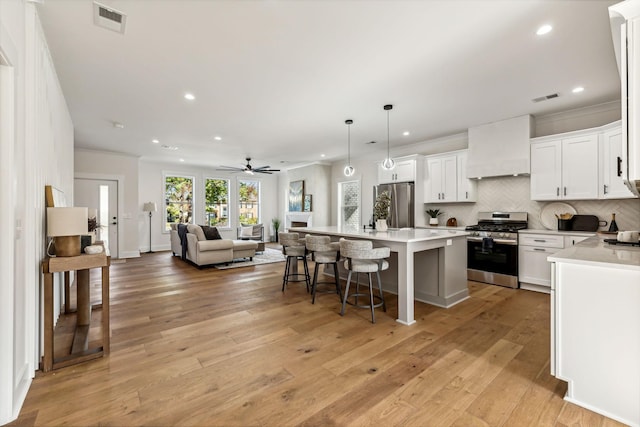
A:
[(230, 168)]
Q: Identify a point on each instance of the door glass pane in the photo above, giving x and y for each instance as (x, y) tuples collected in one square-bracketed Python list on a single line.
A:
[(349, 204)]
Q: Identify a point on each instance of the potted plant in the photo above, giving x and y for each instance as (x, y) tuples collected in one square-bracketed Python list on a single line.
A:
[(433, 214), (381, 210), (276, 226)]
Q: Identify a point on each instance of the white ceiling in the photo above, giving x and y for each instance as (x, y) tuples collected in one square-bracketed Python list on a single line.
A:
[(277, 79)]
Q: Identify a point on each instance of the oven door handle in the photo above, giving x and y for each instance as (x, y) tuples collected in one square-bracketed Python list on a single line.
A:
[(495, 241)]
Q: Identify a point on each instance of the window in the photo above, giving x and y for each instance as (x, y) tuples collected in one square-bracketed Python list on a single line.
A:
[(178, 199), (216, 207), (249, 202), (349, 204)]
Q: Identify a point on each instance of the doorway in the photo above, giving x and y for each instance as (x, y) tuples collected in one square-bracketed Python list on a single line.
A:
[(101, 197)]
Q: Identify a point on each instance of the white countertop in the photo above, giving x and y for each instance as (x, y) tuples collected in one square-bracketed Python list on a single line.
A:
[(405, 235), (557, 232), (594, 251)]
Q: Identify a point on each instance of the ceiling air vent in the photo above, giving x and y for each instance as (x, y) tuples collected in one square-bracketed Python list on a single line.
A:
[(546, 97), (108, 18)]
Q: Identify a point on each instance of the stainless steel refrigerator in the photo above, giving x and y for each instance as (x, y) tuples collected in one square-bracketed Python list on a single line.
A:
[(402, 203)]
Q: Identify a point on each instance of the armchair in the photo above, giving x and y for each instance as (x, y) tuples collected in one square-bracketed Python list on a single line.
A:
[(252, 232)]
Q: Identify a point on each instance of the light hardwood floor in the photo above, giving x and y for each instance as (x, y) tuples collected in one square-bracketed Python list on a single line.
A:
[(228, 348)]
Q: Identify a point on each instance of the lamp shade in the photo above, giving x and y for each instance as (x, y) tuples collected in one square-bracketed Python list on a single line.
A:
[(150, 207), (67, 221)]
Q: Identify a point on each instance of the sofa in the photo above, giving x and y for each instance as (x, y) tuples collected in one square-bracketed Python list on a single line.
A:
[(202, 251)]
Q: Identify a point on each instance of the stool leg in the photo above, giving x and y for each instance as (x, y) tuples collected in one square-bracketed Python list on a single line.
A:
[(335, 275), (346, 294), (314, 284), (373, 316), (307, 276), (384, 305), (286, 273)]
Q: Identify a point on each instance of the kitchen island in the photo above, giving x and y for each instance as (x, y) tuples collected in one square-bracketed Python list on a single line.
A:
[(595, 326), (426, 265)]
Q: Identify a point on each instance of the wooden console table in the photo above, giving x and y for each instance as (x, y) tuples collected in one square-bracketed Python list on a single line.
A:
[(82, 265)]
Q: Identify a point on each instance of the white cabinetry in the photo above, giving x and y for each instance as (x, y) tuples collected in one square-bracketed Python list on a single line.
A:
[(446, 179), (467, 188), (611, 166), (534, 271), (563, 167), (404, 171), (441, 177)]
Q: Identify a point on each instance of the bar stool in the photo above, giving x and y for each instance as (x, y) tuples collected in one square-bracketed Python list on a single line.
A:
[(294, 249), (324, 252), (362, 257)]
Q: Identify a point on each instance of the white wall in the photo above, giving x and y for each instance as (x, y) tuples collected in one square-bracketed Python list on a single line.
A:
[(317, 182), (151, 189), (38, 150), (104, 165)]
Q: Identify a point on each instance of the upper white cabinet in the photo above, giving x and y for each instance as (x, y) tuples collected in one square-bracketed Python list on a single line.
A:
[(467, 188), (611, 165), (446, 179), (564, 168), (404, 171), (580, 165)]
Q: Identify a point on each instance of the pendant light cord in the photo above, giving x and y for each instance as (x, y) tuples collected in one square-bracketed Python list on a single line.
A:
[(388, 152), (349, 144)]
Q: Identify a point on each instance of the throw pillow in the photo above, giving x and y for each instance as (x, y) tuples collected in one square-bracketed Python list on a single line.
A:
[(246, 231), (257, 231), (211, 233)]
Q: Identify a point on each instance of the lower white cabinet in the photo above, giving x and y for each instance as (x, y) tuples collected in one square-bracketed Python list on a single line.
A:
[(534, 271)]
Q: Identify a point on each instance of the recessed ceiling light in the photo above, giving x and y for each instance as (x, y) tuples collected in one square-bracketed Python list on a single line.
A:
[(155, 141), (182, 160), (189, 96), (406, 133), (546, 28), (578, 89), (217, 138), (118, 125), (321, 155)]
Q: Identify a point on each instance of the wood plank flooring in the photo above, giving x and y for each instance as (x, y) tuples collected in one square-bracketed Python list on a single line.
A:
[(227, 348)]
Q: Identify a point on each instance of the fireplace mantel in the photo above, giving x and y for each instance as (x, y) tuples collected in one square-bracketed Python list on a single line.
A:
[(298, 217)]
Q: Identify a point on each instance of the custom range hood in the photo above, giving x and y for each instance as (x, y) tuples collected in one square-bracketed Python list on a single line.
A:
[(500, 148)]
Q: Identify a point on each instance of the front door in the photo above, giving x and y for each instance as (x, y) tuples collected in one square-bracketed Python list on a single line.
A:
[(100, 195)]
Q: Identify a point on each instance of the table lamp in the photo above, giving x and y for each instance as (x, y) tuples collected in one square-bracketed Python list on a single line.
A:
[(66, 225)]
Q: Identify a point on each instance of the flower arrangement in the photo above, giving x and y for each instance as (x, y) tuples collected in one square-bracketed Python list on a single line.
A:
[(381, 207)]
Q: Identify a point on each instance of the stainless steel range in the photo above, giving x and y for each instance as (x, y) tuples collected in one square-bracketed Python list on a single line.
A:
[(492, 248)]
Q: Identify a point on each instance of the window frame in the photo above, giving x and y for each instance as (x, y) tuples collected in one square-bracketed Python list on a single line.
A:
[(167, 225), (239, 200), (229, 201)]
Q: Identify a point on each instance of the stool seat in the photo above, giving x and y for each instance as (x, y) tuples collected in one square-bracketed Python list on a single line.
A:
[(366, 266), (294, 251)]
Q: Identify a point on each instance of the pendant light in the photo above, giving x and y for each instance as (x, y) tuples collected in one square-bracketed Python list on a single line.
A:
[(348, 170), (388, 163)]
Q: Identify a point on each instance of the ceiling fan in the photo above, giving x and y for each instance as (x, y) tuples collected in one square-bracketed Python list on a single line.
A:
[(248, 169)]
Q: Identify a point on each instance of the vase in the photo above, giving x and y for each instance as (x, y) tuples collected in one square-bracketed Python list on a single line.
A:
[(381, 224), (433, 221)]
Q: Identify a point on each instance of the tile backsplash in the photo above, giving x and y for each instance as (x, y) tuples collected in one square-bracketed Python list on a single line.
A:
[(513, 194)]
